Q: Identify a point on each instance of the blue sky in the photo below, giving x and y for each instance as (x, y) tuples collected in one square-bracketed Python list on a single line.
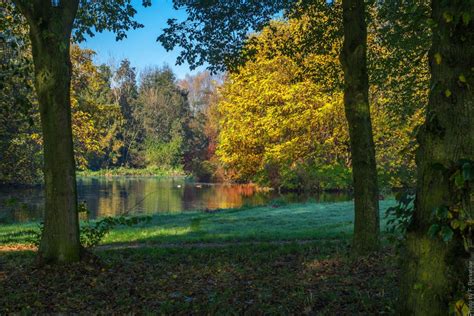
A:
[(140, 46)]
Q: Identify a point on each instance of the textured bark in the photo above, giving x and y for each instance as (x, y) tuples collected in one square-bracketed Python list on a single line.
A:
[(50, 32), (435, 272), (356, 102)]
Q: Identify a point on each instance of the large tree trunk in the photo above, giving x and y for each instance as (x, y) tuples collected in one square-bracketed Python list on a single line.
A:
[(435, 272), (356, 102), (50, 32)]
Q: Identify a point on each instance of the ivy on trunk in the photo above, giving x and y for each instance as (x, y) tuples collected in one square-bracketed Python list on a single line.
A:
[(435, 270)]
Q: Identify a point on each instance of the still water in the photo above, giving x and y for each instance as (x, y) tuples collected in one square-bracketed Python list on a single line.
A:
[(145, 195)]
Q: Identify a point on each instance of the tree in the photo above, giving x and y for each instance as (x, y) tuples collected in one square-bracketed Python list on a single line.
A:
[(126, 94), (50, 32), (165, 114), (201, 92), (199, 88), (223, 50), (96, 118), (356, 103), (435, 273), (50, 29), (280, 126), (279, 84)]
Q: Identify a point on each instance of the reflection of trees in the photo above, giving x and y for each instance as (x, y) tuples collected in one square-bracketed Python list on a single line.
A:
[(163, 196), (115, 196), (21, 205), (222, 196), (109, 197)]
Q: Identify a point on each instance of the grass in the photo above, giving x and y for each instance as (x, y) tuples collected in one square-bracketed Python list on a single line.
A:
[(186, 277), (267, 223), (122, 171)]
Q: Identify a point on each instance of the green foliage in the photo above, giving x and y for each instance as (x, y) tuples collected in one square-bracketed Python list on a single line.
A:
[(214, 31), (166, 117), (143, 126), (326, 177), (96, 121), (164, 154), (455, 218), (92, 233), (307, 176), (112, 16), (159, 171), (399, 217), (20, 147)]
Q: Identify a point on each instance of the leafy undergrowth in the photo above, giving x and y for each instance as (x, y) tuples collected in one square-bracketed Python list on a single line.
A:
[(313, 278)]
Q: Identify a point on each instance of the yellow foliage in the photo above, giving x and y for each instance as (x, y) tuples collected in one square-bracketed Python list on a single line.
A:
[(284, 107), (94, 123)]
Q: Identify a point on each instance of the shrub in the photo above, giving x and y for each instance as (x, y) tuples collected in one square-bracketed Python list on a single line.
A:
[(400, 216)]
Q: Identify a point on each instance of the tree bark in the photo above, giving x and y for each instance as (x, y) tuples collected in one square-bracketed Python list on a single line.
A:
[(435, 272), (356, 102), (50, 32)]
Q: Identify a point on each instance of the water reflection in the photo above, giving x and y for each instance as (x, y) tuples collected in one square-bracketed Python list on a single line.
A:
[(144, 195)]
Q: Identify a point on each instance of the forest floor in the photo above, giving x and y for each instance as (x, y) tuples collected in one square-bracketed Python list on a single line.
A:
[(280, 259)]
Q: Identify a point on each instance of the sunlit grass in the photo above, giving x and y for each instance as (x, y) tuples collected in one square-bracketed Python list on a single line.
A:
[(288, 222)]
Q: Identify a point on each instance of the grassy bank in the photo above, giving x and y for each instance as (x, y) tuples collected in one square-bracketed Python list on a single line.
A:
[(267, 223), (121, 171), (226, 263)]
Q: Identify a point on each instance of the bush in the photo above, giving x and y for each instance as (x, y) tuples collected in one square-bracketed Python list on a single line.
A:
[(400, 216), (164, 154), (307, 176)]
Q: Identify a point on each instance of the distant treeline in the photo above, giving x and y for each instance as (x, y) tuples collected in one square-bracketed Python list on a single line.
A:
[(119, 119)]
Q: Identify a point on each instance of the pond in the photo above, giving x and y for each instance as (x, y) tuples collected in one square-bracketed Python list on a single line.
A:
[(109, 196)]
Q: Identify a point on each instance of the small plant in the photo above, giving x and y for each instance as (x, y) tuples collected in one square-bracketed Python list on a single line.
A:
[(36, 235), (456, 217), (400, 216), (92, 232), (278, 202)]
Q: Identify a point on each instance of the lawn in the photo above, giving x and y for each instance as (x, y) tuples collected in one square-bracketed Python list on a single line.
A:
[(304, 221), (287, 259)]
